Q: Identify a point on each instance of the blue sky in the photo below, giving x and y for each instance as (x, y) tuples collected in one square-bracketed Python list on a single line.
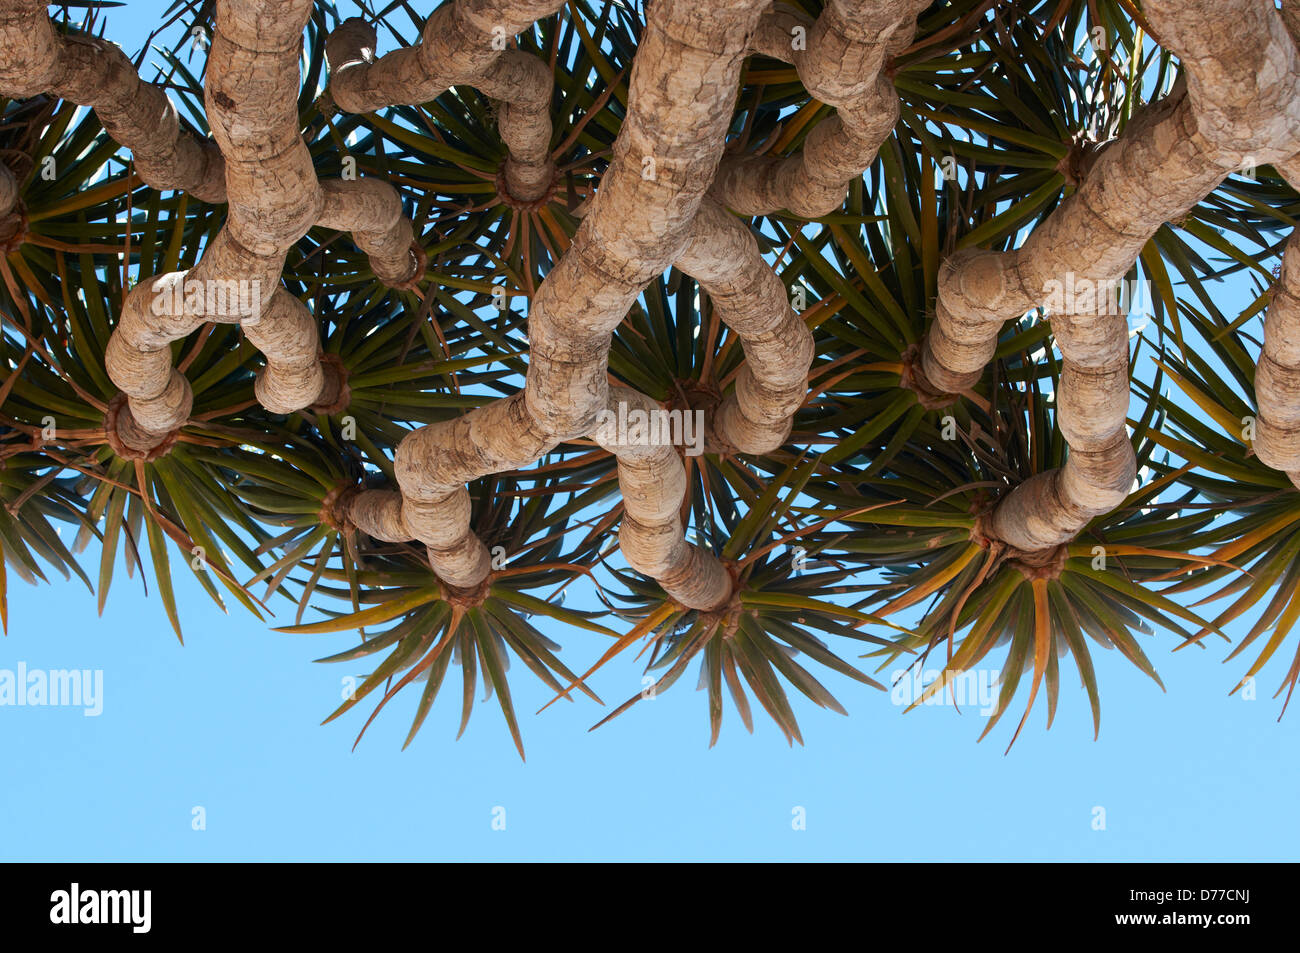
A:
[(229, 724)]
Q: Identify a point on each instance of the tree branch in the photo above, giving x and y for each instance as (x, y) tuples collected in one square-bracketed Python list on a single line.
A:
[(85, 70), (463, 43), (841, 63)]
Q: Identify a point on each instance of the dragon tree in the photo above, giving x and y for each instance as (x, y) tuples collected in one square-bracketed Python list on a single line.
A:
[(771, 338)]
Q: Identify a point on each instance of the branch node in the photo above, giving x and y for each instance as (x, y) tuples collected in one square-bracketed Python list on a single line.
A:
[(419, 265), (913, 378), (335, 395), (526, 205), (128, 440)]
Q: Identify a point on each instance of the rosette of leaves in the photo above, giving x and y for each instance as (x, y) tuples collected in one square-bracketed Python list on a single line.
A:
[(35, 503), (971, 596), (1013, 102), (293, 486), (59, 398), (425, 628), (785, 605)]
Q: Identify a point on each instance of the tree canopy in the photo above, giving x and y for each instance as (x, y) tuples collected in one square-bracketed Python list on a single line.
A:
[(771, 338)]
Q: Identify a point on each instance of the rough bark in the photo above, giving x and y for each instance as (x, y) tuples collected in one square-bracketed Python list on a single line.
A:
[(1092, 396), (8, 191), (274, 197), (88, 71), (652, 482), (250, 92), (682, 91), (92, 72), (1277, 375), (723, 256), (841, 64), (463, 43), (1238, 102), (378, 514), (371, 210)]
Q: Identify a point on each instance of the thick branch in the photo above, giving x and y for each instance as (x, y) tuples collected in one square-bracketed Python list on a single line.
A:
[(91, 72), (840, 59), (652, 481), (371, 210), (1092, 398), (251, 92), (1240, 104), (682, 92), (1237, 102), (463, 43), (723, 256), (1277, 376)]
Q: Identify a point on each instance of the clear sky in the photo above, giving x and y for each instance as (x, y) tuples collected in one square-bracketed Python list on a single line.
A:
[(229, 725)]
